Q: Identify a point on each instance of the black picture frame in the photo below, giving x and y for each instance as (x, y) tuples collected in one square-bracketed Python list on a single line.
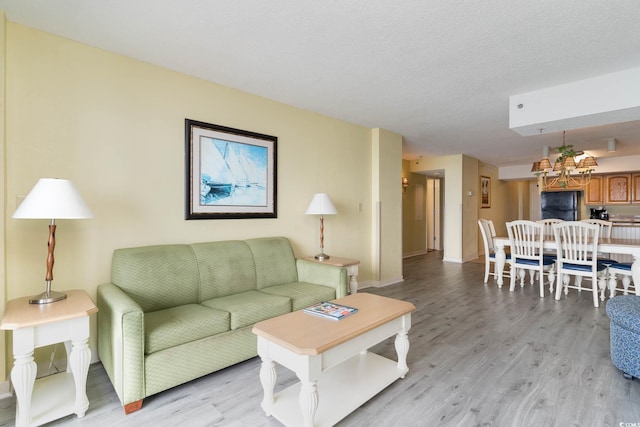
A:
[(230, 173)]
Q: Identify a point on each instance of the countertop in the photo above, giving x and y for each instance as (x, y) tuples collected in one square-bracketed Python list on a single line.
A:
[(625, 219)]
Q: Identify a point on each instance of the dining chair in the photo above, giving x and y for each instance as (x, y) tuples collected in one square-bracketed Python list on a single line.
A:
[(526, 241), (605, 231), (605, 226), (488, 232), (622, 269), (547, 225), (577, 243), (548, 228)]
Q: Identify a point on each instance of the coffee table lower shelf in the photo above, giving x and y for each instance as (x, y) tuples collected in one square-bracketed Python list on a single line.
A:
[(341, 390)]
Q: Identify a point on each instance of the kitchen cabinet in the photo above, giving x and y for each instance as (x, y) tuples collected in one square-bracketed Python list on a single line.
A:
[(635, 182), (618, 189), (593, 193)]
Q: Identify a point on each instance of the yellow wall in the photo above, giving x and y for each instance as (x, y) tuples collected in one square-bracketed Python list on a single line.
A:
[(462, 240), (3, 293), (451, 187), (470, 203), (386, 219), (115, 127), (414, 211), (509, 201)]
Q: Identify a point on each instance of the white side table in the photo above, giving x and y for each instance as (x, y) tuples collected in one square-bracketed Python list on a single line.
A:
[(38, 325), (350, 264)]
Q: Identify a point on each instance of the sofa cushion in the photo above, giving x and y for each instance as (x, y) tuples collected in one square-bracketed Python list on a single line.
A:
[(226, 268), (274, 260), (302, 294), (247, 308), (178, 325), (157, 277)]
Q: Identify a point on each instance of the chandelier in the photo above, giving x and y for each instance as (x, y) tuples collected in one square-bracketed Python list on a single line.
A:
[(568, 172)]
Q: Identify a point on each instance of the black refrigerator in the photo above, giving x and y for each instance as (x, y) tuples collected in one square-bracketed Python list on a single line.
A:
[(559, 204)]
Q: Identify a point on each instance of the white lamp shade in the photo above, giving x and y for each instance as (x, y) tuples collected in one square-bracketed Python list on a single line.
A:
[(53, 198), (321, 205)]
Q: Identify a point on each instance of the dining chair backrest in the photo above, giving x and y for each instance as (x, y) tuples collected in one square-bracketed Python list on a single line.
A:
[(547, 225), (488, 232), (577, 243), (605, 226), (525, 240)]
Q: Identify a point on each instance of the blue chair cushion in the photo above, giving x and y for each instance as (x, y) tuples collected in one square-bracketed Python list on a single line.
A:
[(493, 256), (607, 261), (545, 261), (578, 267), (621, 266)]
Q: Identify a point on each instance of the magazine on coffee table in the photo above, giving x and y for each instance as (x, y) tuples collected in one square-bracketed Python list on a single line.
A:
[(330, 310)]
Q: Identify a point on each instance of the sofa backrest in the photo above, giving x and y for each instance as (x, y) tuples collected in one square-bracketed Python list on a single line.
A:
[(164, 276), (157, 277), (274, 260), (226, 268)]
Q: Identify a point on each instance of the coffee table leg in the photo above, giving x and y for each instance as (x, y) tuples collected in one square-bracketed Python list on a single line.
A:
[(308, 401), (268, 377), (402, 349)]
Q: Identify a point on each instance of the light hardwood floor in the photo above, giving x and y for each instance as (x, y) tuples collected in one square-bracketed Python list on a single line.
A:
[(479, 356)]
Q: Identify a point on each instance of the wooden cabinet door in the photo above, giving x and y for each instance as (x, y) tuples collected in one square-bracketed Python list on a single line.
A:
[(618, 189), (635, 188), (593, 194)]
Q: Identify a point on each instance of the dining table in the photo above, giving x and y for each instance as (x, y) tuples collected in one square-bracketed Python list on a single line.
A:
[(608, 245)]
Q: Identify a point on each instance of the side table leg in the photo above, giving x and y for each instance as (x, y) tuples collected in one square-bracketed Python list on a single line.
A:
[(353, 284), (402, 349), (352, 271), (268, 377), (79, 362), (308, 401), (23, 377)]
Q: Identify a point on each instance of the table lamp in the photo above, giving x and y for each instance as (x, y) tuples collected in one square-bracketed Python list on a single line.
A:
[(50, 199), (321, 205)]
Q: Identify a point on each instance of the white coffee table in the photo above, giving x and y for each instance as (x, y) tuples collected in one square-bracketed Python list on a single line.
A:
[(337, 374)]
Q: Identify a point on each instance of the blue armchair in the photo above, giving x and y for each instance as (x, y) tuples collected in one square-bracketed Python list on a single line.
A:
[(624, 312)]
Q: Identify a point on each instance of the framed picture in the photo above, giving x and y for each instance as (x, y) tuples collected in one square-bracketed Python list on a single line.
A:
[(230, 173), (485, 192)]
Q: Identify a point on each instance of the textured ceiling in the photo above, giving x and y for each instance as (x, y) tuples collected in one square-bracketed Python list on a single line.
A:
[(438, 72)]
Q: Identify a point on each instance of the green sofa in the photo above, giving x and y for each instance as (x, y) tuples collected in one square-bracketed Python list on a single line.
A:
[(173, 313)]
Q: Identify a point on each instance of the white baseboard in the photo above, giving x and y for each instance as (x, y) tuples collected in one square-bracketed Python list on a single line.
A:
[(44, 369), (5, 390), (471, 258), (461, 260), (414, 253), (379, 284)]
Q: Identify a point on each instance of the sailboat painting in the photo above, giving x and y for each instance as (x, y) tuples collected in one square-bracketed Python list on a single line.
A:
[(230, 173)]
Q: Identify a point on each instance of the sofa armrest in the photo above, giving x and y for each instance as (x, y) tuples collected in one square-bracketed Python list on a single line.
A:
[(121, 342), (323, 274)]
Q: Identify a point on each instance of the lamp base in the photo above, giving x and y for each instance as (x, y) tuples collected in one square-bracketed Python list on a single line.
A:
[(321, 256), (47, 297)]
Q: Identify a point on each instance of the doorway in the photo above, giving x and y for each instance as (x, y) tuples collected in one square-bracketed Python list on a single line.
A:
[(433, 214)]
